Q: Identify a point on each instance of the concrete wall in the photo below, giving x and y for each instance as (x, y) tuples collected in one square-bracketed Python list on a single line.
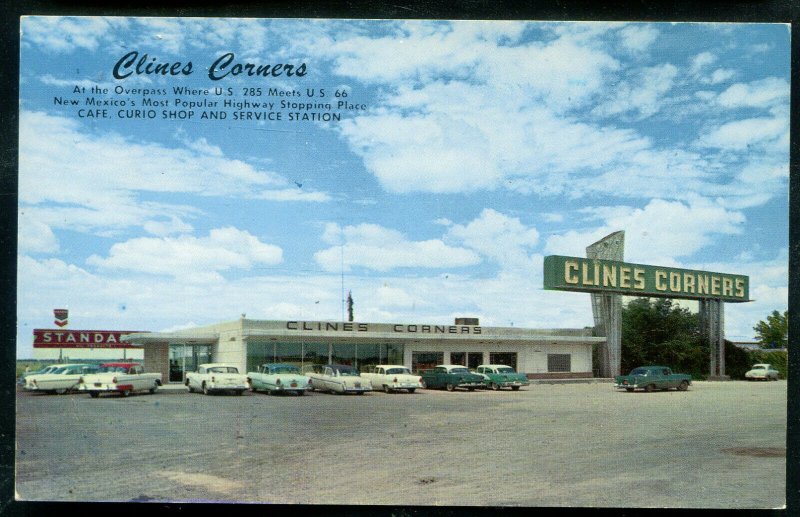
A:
[(156, 359)]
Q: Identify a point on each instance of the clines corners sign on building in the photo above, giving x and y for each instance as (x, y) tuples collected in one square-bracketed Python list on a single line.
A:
[(596, 275)]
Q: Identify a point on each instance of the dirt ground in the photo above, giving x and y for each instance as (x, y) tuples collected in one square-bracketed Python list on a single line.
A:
[(718, 445)]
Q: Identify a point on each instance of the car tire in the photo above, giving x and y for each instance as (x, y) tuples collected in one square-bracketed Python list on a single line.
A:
[(125, 393), (515, 388), (239, 392), (205, 389), (629, 390), (301, 393), (360, 393), (650, 388), (494, 386), (411, 390), (471, 388), (386, 388), (450, 387), (94, 394), (683, 386), (153, 389)]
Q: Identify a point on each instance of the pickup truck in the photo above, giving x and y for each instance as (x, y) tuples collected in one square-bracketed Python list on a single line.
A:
[(450, 377), (122, 378), (215, 377), (392, 377), (651, 378)]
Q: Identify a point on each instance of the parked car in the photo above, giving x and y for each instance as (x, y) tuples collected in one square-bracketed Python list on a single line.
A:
[(651, 378), (60, 379), (277, 378), (46, 369), (337, 378), (762, 372), (392, 377), (496, 376), (122, 378), (450, 377), (216, 377)]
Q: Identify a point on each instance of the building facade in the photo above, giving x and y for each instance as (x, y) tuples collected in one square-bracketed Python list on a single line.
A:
[(246, 343)]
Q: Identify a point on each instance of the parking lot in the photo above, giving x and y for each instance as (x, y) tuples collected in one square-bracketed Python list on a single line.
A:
[(720, 444)]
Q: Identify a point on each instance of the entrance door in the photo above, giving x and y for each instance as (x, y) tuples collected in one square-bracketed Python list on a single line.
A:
[(186, 358), (474, 359)]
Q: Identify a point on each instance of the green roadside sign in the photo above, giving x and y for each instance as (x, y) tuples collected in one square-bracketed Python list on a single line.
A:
[(597, 276)]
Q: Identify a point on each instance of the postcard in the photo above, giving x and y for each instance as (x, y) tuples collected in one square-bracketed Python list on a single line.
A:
[(402, 262)]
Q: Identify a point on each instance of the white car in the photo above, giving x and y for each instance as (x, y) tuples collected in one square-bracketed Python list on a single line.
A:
[(336, 378), (278, 378), (763, 372), (215, 377), (123, 378), (59, 379), (392, 377)]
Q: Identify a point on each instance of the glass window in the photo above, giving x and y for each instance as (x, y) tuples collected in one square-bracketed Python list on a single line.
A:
[(458, 358), (559, 362), (393, 354), (289, 353), (474, 359), (369, 354), (315, 353), (425, 360), (344, 353), (506, 358), (258, 353)]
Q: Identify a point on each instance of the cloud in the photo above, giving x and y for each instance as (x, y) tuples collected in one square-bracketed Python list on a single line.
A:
[(95, 181), (503, 239), (701, 61), (638, 37), (644, 95), (659, 233), (67, 34), (381, 249), (185, 256), (34, 236), (763, 93), (742, 134)]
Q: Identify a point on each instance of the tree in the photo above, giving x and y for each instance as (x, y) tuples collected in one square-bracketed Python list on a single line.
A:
[(660, 332), (773, 333)]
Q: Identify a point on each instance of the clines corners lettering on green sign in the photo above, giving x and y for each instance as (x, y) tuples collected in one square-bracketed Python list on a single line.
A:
[(595, 275)]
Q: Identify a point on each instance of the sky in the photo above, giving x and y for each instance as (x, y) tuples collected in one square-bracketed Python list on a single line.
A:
[(468, 152)]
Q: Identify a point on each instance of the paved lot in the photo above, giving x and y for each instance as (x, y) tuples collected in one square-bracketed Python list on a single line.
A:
[(717, 445)]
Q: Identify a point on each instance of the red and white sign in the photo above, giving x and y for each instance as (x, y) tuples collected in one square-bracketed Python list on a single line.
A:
[(62, 317), (49, 338)]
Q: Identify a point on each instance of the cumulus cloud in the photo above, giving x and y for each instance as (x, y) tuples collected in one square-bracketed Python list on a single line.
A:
[(757, 94), (505, 240), (381, 249), (205, 257), (660, 233), (638, 37)]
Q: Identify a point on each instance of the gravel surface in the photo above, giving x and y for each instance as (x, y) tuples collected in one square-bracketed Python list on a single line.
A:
[(718, 445)]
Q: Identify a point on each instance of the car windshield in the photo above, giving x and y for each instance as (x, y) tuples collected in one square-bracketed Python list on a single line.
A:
[(759, 367), (398, 371), (459, 370), (285, 369), (59, 371), (639, 371), (347, 372), (506, 369), (223, 369)]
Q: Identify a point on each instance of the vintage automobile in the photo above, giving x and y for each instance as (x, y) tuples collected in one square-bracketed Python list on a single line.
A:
[(762, 372), (392, 377), (651, 378), (336, 378), (60, 379), (278, 378), (216, 377), (123, 378), (498, 376), (450, 377), (46, 369)]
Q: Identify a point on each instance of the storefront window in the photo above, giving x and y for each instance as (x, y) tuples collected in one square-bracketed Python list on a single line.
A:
[(506, 358), (393, 354), (185, 358), (315, 353), (344, 353), (370, 355), (258, 353), (559, 362), (458, 358), (290, 353), (425, 360)]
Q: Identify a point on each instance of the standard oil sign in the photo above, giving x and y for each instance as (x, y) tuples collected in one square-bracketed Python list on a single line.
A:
[(595, 275)]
